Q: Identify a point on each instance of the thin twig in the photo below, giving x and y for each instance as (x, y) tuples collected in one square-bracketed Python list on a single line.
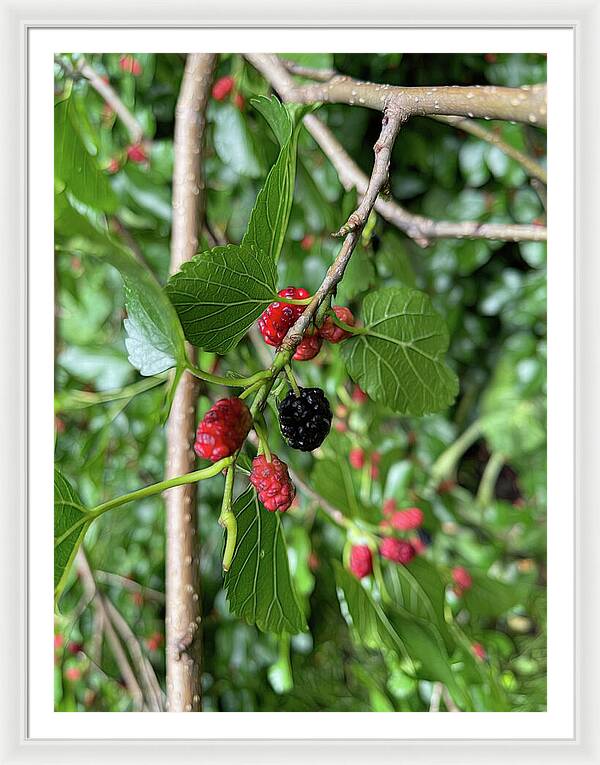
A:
[(109, 94), (107, 577), (531, 167)]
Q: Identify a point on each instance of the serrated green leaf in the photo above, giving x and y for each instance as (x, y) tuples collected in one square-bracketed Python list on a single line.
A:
[(74, 166), (276, 116), (270, 215), (258, 584), (400, 360), (219, 294), (71, 521)]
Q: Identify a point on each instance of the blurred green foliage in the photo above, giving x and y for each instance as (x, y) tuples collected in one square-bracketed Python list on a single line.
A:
[(493, 298)]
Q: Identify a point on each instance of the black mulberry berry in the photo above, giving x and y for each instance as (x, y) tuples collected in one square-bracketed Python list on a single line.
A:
[(305, 420)]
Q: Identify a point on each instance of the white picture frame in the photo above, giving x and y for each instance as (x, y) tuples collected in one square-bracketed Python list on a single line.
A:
[(21, 392)]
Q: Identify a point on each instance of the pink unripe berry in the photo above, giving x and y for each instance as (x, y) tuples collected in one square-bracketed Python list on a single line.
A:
[(361, 561), (406, 520), (357, 458)]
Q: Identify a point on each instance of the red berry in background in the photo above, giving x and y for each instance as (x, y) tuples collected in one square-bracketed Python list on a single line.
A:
[(330, 331), (137, 598), (239, 101), (131, 65), (397, 550), (389, 507), (491, 58), (374, 472), (73, 674), (272, 483), (137, 153), (406, 520), (357, 458), (308, 347), (222, 88), (113, 166), (275, 320), (479, 651), (74, 648), (155, 641), (223, 429), (361, 561), (340, 426), (58, 641), (313, 561), (462, 578), (358, 395), (307, 242)]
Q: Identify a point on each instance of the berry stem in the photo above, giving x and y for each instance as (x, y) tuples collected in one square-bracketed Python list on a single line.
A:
[(261, 431), (158, 488), (292, 379), (348, 327), (232, 382), (227, 518)]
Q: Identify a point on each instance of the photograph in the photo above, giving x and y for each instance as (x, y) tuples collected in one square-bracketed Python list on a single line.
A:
[(300, 382)]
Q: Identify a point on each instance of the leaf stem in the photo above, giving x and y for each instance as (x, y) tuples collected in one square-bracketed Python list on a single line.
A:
[(494, 465), (348, 327), (292, 379), (227, 518), (158, 488), (232, 382)]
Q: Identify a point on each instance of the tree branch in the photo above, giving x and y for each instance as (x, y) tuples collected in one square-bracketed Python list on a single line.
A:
[(183, 615), (526, 104), (418, 227)]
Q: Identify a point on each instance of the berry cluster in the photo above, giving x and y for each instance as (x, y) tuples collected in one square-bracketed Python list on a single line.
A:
[(223, 429), (278, 317), (223, 88)]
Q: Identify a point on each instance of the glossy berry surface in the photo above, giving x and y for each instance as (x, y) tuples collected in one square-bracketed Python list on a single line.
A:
[(397, 550), (275, 320), (406, 520), (272, 483), (361, 561), (223, 429), (330, 331), (305, 420), (308, 347)]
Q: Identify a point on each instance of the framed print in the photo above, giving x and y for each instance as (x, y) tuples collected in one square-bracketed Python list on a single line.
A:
[(300, 310)]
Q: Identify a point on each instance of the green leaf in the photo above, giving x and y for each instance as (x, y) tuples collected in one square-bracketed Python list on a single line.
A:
[(269, 218), (74, 166), (258, 584), (396, 630), (336, 482), (358, 277), (276, 116), (71, 521), (420, 590), (219, 294), (489, 598), (155, 339), (399, 360), (232, 141)]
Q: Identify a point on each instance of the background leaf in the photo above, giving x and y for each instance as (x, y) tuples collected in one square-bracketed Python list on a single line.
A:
[(258, 584), (70, 525), (400, 361), (219, 294)]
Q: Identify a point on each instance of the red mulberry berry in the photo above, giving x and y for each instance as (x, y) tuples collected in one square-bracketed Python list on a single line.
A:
[(357, 458), (406, 520), (358, 395), (131, 65), (272, 483), (308, 347), (307, 242), (222, 88), (479, 651), (462, 578), (223, 429), (361, 561), (397, 550), (137, 153), (330, 331), (275, 320)]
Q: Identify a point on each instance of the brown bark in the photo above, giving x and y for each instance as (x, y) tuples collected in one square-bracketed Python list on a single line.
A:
[(183, 602)]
